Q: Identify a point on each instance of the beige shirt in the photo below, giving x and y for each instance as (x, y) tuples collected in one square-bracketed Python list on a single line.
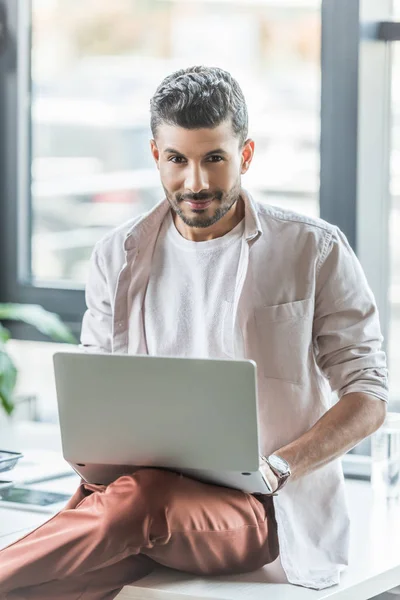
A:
[(307, 318)]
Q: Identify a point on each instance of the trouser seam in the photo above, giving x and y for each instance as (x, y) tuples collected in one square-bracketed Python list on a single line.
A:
[(257, 526)]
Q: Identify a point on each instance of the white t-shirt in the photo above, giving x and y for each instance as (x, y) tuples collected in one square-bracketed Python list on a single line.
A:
[(189, 297)]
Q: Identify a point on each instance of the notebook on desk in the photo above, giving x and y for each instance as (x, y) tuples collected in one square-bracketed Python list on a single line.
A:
[(194, 416)]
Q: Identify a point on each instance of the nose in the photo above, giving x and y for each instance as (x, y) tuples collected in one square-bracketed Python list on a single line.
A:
[(196, 179)]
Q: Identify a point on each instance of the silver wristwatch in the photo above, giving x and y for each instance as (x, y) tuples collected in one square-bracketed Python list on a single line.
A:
[(280, 467)]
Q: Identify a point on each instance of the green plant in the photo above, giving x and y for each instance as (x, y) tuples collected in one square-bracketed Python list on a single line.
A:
[(46, 322)]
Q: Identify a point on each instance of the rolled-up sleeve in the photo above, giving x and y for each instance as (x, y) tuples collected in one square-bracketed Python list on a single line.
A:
[(96, 332), (346, 330)]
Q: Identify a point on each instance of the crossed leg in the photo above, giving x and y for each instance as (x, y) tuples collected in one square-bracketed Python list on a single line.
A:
[(99, 541), (104, 583)]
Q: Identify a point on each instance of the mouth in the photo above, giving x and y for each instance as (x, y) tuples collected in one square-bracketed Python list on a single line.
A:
[(198, 204)]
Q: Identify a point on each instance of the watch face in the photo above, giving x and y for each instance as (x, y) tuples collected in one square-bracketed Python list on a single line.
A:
[(279, 464)]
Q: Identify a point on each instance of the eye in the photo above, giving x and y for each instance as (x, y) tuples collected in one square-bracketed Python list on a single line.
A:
[(178, 160), (215, 158)]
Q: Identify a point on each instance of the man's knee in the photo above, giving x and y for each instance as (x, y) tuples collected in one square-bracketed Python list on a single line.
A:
[(134, 497), (145, 478)]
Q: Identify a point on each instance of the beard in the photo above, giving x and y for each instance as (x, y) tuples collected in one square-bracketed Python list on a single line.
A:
[(225, 202)]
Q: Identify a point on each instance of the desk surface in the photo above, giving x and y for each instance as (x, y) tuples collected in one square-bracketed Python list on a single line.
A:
[(374, 557)]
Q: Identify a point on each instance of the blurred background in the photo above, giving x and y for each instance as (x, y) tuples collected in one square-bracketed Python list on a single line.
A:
[(91, 68), (95, 65)]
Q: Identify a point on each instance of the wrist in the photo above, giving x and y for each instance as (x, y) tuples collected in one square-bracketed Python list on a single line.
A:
[(269, 475), (279, 471)]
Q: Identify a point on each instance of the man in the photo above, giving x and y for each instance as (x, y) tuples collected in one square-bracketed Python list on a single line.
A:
[(209, 272)]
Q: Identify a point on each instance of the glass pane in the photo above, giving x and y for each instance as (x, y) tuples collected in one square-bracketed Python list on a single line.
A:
[(394, 224), (95, 65)]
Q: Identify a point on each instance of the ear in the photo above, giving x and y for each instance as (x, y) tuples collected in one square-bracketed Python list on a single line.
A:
[(155, 152), (247, 155)]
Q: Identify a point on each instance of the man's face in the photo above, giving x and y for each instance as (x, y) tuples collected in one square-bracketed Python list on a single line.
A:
[(200, 170)]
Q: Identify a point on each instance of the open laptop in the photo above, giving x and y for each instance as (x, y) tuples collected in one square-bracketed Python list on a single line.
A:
[(197, 417)]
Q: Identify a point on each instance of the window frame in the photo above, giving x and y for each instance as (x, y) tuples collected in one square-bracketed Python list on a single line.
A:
[(355, 143), (355, 150), (15, 153)]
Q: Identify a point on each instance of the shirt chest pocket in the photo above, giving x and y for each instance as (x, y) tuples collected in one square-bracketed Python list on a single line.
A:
[(284, 334)]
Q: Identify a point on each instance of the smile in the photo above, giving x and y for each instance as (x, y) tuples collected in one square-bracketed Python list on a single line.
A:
[(199, 205)]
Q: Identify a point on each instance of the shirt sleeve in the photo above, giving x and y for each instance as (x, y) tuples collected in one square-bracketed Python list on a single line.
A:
[(96, 333), (346, 330)]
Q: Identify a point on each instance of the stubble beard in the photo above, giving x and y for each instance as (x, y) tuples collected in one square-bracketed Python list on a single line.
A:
[(226, 201)]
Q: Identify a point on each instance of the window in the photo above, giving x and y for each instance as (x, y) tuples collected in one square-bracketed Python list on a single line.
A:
[(95, 65), (78, 91)]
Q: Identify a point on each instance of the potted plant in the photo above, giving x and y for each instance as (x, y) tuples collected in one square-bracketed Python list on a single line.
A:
[(46, 322)]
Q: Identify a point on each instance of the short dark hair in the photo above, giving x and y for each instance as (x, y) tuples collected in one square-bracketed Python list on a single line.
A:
[(199, 97)]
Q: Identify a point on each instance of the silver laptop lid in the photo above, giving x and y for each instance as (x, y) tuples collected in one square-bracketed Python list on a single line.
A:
[(158, 411), (198, 417)]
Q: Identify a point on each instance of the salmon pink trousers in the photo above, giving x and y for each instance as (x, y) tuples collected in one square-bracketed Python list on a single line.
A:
[(110, 536)]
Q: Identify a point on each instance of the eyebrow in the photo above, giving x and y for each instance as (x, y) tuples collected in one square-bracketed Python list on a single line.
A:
[(217, 151)]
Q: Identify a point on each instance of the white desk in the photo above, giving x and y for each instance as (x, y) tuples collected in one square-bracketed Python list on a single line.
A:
[(374, 558)]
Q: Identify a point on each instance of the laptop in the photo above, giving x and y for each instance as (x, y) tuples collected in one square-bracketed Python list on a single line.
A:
[(198, 417)]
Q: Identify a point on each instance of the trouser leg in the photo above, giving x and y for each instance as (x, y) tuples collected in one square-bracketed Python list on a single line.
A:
[(104, 583), (174, 520), (216, 530), (75, 541)]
